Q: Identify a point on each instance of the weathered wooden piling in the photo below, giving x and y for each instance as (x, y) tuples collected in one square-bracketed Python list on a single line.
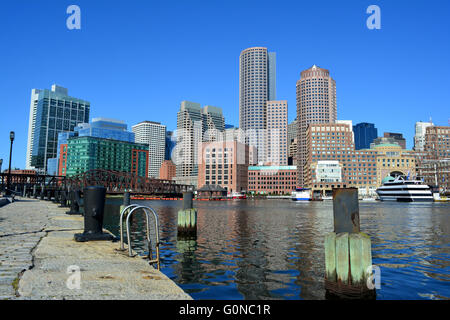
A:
[(347, 250), (187, 217)]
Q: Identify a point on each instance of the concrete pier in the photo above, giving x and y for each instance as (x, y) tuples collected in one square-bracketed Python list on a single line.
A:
[(40, 260)]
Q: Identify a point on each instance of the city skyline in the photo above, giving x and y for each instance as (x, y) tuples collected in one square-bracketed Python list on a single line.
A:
[(362, 75)]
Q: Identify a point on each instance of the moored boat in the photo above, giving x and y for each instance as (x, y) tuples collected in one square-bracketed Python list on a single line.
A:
[(301, 194), (402, 189), (238, 195)]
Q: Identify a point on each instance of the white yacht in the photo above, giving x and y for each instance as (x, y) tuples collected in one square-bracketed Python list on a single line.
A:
[(301, 194), (402, 189)]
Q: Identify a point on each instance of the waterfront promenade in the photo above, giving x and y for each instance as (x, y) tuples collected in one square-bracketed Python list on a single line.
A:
[(37, 252)]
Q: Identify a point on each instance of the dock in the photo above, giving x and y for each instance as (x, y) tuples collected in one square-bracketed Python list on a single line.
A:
[(39, 260)]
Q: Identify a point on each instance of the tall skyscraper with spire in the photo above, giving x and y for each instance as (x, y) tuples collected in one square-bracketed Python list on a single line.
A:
[(316, 103), (257, 85)]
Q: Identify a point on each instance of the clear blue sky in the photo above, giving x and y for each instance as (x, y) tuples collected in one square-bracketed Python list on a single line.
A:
[(137, 60)]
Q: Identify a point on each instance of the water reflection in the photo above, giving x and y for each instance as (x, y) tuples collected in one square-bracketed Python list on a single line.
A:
[(270, 249)]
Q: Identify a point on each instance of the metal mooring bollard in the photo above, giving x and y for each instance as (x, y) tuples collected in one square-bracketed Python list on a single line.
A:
[(63, 199), (348, 253), (94, 206), (187, 217), (56, 197), (74, 202)]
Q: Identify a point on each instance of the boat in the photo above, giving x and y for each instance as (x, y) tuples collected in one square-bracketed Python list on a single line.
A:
[(301, 194), (238, 195), (404, 190), (368, 199)]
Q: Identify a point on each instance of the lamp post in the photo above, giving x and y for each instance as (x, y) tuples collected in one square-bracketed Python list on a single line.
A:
[(8, 186), (1, 162)]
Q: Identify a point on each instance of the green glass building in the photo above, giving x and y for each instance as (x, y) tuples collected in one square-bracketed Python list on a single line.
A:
[(89, 153)]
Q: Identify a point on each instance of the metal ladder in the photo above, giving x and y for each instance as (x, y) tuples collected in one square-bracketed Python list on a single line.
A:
[(131, 209)]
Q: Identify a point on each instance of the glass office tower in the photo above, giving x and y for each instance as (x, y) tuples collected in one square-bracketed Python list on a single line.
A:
[(364, 133), (51, 112)]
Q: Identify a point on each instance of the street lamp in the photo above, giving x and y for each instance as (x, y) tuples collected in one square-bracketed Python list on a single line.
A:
[(8, 186), (1, 162)]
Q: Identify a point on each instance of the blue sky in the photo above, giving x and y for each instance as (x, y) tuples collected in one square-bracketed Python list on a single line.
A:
[(137, 60)]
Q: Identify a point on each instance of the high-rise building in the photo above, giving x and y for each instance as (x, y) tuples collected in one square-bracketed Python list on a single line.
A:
[(257, 85), (194, 125), (51, 112), (419, 137), (364, 133), (154, 135), (276, 139), (316, 103), (170, 144), (213, 123)]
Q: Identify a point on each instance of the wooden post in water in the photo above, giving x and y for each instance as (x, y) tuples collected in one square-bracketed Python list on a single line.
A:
[(187, 217), (348, 252)]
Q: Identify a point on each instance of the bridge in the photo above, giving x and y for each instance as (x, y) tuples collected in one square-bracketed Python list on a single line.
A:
[(115, 183)]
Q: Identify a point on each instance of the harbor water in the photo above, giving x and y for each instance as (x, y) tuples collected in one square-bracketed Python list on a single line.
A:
[(273, 249)]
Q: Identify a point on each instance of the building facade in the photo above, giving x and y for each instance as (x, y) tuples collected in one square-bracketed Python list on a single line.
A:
[(154, 135), (316, 103), (224, 163), (105, 128), (51, 112), (257, 85), (168, 170), (329, 147), (389, 138), (82, 154), (276, 139), (419, 136), (272, 179), (364, 134), (433, 164), (393, 160)]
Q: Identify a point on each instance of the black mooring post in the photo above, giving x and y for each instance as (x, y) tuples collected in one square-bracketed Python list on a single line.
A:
[(42, 193), (74, 204), (94, 206), (63, 199), (126, 199), (56, 196)]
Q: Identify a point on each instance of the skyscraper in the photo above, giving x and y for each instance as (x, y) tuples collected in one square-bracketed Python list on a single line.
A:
[(277, 125), (316, 103), (364, 133), (257, 85), (51, 112), (154, 135), (193, 122), (419, 137)]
